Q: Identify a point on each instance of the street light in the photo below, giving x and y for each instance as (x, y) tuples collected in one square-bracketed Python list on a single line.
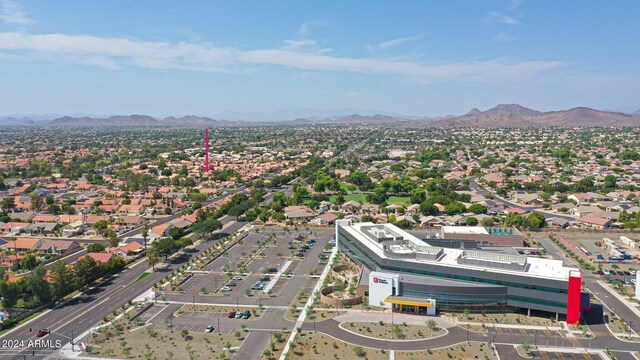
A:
[(219, 324), (237, 306)]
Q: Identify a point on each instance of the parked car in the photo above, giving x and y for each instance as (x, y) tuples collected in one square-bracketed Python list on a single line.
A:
[(231, 284), (600, 272), (626, 273), (209, 329), (225, 288), (239, 315), (311, 241), (299, 254), (246, 314), (265, 278), (232, 314), (42, 332), (237, 278), (606, 272), (323, 262), (291, 247)]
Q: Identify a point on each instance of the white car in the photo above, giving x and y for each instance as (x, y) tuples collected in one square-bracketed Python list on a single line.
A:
[(209, 329), (226, 288)]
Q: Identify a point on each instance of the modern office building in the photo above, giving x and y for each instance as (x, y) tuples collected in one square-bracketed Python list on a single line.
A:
[(476, 236), (407, 274)]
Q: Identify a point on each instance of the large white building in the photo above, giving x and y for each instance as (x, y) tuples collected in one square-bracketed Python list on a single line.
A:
[(418, 276)]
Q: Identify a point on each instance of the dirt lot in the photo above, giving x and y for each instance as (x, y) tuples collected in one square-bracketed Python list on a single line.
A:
[(400, 331), (463, 351), (123, 340), (318, 346)]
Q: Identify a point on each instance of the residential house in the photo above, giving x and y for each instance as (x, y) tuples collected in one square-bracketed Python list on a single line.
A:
[(130, 249), (23, 244), (61, 247), (594, 222), (324, 219), (100, 258)]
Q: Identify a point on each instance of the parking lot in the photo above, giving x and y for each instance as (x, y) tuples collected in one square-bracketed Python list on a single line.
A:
[(260, 255)]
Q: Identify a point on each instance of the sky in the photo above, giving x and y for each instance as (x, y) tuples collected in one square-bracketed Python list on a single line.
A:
[(420, 58)]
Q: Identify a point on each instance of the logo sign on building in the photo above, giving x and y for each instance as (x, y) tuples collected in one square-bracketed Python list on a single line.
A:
[(378, 280)]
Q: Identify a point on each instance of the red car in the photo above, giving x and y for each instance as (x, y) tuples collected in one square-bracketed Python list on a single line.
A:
[(42, 332), (232, 314)]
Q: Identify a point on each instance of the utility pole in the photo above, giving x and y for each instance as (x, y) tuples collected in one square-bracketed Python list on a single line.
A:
[(219, 324)]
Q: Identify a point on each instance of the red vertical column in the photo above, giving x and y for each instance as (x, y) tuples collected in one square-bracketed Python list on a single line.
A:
[(573, 297)]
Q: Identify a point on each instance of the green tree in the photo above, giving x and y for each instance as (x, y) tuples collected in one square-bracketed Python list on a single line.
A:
[(49, 200), (455, 208), (471, 221), (39, 286), (176, 233), (487, 222), (95, 247), (152, 256), (535, 220), (165, 246), (86, 271), (101, 226), (8, 203), (29, 261), (36, 201), (9, 292), (206, 227), (478, 209), (61, 278), (112, 237)]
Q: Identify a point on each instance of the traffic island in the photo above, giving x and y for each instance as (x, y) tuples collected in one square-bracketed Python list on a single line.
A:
[(398, 332)]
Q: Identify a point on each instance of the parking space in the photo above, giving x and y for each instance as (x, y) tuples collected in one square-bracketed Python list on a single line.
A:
[(256, 256), (549, 355)]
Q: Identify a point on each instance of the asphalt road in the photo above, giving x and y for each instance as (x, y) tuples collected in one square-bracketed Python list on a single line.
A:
[(85, 311), (590, 282)]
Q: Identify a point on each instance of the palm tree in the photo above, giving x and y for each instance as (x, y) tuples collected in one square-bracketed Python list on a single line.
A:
[(145, 234)]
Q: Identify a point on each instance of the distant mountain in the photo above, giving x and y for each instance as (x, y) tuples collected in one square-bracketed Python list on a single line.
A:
[(126, 120), (349, 119), (514, 115), (14, 121), (192, 120)]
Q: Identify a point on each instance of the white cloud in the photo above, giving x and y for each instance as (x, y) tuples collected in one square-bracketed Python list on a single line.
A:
[(298, 44), (112, 53), (11, 13), (503, 18), (304, 29), (399, 41)]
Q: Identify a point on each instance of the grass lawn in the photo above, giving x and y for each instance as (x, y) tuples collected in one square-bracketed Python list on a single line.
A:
[(361, 198), (123, 340), (400, 200), (383, 330), (474, 350), (317, 346), (345, 187)]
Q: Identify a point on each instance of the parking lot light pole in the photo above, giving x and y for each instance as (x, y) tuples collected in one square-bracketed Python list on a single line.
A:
[(237, 306), (219, 324)]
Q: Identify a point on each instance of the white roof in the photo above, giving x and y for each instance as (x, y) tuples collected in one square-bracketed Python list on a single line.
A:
[(471, 230), (535, 267)]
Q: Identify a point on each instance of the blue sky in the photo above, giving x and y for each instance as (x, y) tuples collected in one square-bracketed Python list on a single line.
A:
[(410, 57)]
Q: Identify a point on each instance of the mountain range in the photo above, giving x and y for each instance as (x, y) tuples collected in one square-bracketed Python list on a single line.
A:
[(501, 116), (513, 115)]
